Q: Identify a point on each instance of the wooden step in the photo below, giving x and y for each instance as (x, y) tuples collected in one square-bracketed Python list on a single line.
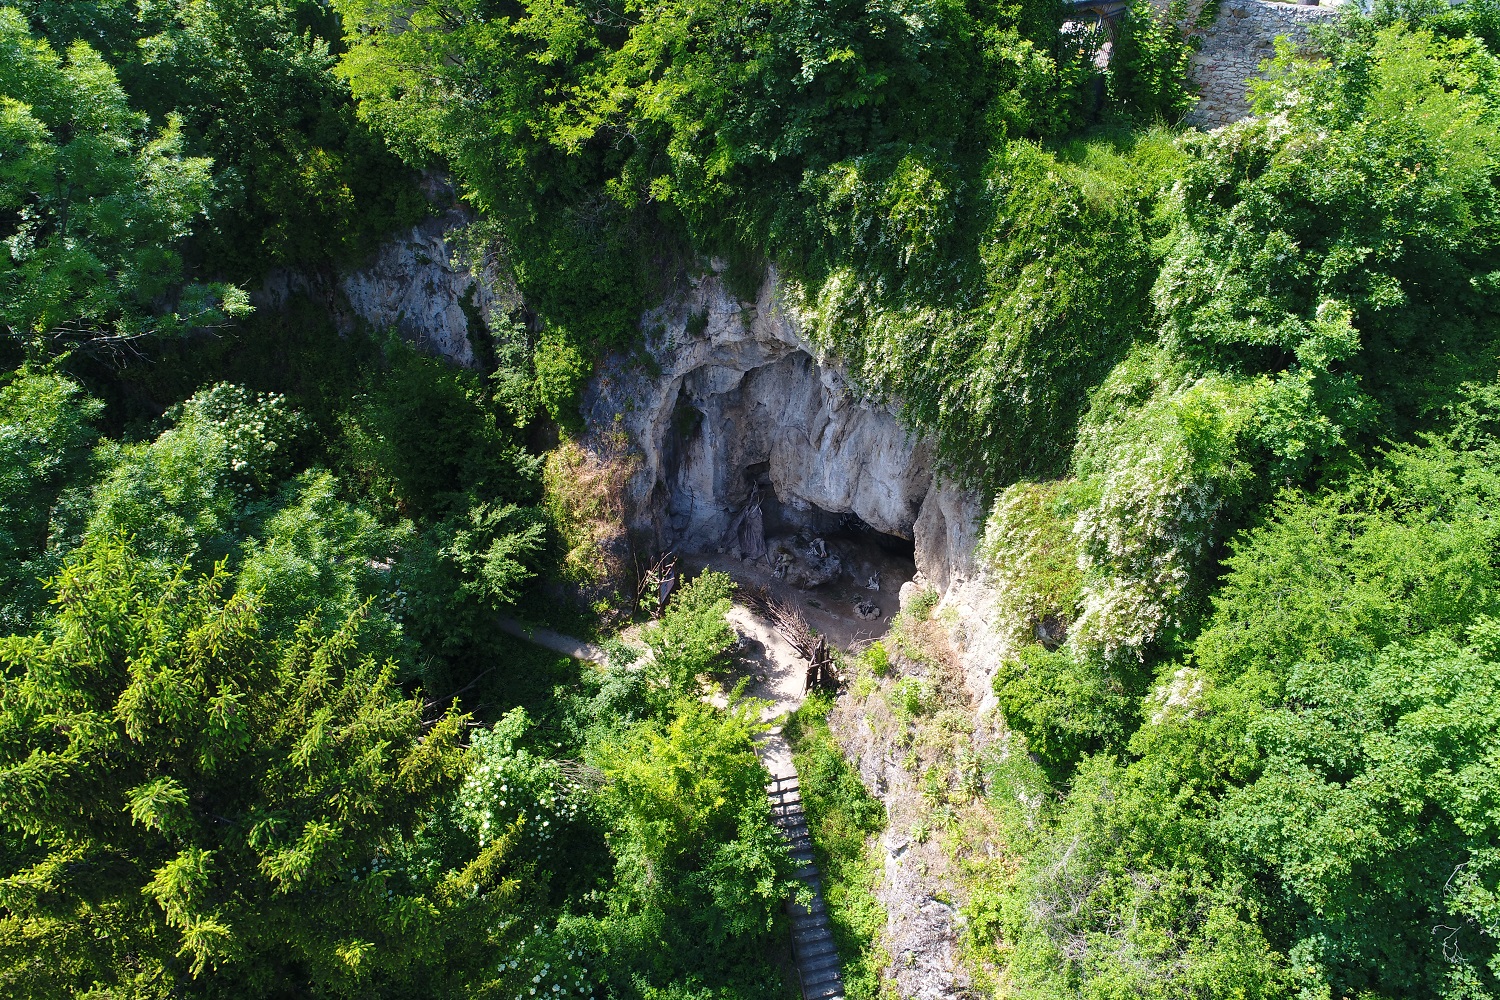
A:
[(816, 908), (817, 958), (821, 983), (815, 948), (816, 935)]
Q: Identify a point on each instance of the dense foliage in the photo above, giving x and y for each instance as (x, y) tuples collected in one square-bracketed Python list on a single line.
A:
[(1233, 394), (295, 179), (190, 798), (259, 732), (609, 145), (1268, 782)]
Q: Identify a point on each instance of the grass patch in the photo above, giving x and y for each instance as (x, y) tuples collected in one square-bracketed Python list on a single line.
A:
[(841, 816)]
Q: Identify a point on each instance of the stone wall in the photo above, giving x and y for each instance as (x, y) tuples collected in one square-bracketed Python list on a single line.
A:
[(1232, 50)]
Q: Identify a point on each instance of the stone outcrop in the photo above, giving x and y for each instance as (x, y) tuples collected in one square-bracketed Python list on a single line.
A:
[(927, 861), (409, 285), (1233, 47), (741, 426), (730, 404)]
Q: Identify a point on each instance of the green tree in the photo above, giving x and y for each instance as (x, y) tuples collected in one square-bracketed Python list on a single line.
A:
[(297, 179), (1374, 816), (692, 636), (1148, 70), (45, 434), (1065, 705), (426, 440), (644, 135), (194, 806), (188, 492), (93, 208), (690, 828), (1348, 252), (309, 552), (1296, 796)]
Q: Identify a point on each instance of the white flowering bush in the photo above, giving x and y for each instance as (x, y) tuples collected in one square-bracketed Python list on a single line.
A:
[(179, 495), (551, 963), (508, 784), (261, 430), (1158, 456), (1031, 559)]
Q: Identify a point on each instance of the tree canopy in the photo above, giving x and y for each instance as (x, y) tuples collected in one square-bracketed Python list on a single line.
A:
[(1230, 397)]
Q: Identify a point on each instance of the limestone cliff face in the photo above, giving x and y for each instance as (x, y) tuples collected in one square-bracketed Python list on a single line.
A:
[(728, 403), (409, 285), (730, 398), (731, 409)]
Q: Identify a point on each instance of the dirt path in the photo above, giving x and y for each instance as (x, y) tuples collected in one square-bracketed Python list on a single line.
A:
[(829, 608), (773, 668), (775, 672), (555, 641)]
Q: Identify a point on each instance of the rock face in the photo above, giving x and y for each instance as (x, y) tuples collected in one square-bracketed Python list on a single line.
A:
[(412, 286), (742, 428), (732, 410), (409, 285)]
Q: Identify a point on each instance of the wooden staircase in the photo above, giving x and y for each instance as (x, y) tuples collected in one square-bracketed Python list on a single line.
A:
[(812, 938)]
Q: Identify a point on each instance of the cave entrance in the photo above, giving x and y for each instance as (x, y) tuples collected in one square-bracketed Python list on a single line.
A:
[(842, 564)]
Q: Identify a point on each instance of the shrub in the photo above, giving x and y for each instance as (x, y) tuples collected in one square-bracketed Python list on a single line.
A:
[(1148, 70), (264, 436), (1063, 706), (424, 438), (45, 435), (561, 370), (690, 639), (1032, 558), (584, 493)]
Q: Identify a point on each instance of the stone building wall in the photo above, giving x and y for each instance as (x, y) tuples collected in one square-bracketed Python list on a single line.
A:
[(1232, 50)]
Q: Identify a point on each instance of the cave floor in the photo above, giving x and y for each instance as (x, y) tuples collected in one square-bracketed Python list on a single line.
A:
[(828, 608), (772, 668)]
